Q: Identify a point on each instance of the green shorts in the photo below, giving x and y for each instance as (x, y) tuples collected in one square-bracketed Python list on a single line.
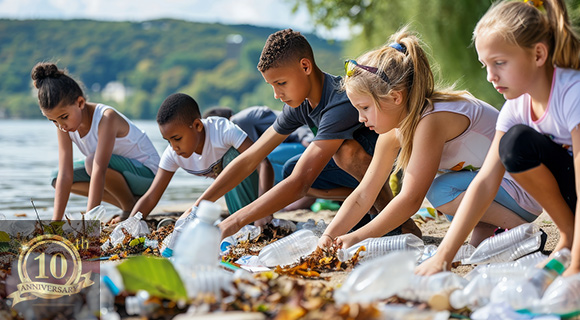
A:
[(244, 193), (137, 175)]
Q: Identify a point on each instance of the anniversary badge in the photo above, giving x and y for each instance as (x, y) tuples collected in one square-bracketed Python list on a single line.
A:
[(48, 269)]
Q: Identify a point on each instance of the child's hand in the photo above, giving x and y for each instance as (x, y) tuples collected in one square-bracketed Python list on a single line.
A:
[(326, 241), (263, 221), (431, 266)]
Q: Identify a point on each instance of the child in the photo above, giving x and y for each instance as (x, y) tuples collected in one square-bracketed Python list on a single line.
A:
[(440, 137), (201, 147), (120, 159), (314, 98), (532, 58)]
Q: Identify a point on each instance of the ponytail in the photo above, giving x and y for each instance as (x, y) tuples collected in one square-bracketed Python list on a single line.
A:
[(566, 45)]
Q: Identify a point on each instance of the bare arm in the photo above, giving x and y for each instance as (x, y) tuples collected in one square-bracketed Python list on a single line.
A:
[(64, 179), (150, 199), (430, 137), (477, 199), (265, 170), (575, 263), (363, 197), (111, 125), (242, 166), (287, 191)]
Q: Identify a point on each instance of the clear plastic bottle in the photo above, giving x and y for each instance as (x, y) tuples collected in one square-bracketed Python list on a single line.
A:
[(140, 304), (562, 297), (111, 286), (96, 213), (208, 281), (200, 240), (474, 295), (169, 242), (283, 224), (317, 227), (376, 247), (133, 225), (377, 279), (508, 245), (289, 249), (422, 288), (246, 233)]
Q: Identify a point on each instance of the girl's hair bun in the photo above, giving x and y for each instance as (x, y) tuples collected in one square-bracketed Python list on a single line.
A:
[(44, 70)]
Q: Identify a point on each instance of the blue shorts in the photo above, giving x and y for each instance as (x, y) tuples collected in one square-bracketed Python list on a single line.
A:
[(332, 176), (137, 175), (445, 188)]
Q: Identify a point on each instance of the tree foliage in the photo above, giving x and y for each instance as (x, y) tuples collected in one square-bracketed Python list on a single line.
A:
[(445, 26), (152, 58)]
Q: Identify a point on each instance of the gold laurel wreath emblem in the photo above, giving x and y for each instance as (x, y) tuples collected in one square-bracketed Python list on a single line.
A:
[(31, 290)]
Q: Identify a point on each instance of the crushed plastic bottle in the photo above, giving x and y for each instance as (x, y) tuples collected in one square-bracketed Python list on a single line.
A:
[(289, 249), (246, 233), (376, 247), (200, 240), (204, 280), (317, 227), (378, 279), (141, 305), (562, 297), (422, 288), (169, 242), (523, 265), (524, 294), (96, 213), (508, 245), (283, 224), (133, 225)]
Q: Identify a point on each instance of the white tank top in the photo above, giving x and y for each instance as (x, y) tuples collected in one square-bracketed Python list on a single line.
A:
[(135, 145)]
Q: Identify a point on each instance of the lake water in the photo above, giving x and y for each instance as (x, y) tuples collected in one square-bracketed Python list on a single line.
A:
[(29, 154)]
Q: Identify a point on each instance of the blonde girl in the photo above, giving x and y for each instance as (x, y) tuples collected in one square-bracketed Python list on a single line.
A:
[(441, 139), (532, 57), (120, 159)]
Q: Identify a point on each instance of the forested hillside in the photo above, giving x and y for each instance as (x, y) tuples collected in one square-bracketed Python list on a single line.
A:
[(214, 63)]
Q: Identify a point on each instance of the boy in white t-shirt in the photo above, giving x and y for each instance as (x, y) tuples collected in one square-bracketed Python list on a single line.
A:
[(202, 147)]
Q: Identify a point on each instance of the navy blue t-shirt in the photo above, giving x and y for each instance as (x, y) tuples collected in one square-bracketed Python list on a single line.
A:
[(333, 118)]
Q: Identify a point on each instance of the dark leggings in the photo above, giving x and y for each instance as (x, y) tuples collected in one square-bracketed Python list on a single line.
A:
[(523, 148)]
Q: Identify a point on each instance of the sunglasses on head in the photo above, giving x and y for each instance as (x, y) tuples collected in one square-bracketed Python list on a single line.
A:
[(350, 65)]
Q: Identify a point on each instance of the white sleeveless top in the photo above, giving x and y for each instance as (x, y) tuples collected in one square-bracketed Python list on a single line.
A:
[(135, 145), (468, 150)]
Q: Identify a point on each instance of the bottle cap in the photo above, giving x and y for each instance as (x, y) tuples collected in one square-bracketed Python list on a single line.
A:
[(556, 266), (111, 285), (167, 253), (209, 210)]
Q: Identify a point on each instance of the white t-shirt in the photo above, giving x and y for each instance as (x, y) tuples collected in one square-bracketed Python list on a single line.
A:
[(562, 114), (220, 135), (135, 145), (468, 150)]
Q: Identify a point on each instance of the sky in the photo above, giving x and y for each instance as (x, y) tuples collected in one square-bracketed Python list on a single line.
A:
[(268, 13)]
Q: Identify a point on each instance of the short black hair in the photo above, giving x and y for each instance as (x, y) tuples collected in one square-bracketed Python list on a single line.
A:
[(178, 107), (224, 112), (282, 47)]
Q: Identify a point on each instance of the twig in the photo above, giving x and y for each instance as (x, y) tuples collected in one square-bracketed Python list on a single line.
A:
[(38, 217)]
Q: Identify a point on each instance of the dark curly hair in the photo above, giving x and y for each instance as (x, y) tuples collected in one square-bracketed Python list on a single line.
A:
[(282, 47), (54, 86), (178, 107)]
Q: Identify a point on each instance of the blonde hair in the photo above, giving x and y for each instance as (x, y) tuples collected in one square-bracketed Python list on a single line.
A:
[(408, 71), (524, 25)]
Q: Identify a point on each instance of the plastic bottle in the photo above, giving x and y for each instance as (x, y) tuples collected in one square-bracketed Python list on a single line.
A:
[(289, 249), (422, 288), (139, 304), (96, 213), (474, 295), (376, 247), (246, 233), (111, 286), (317, 227), (508, 245), (208, 281), (133, 225), (151, 243), (523, 265), (562, 297), (169, 241), (377, 279), (322, 204), (283, 224), (200, 240), (526, 293)]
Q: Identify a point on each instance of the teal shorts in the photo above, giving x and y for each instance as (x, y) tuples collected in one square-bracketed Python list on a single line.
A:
[(137, 175), (245, 192)]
